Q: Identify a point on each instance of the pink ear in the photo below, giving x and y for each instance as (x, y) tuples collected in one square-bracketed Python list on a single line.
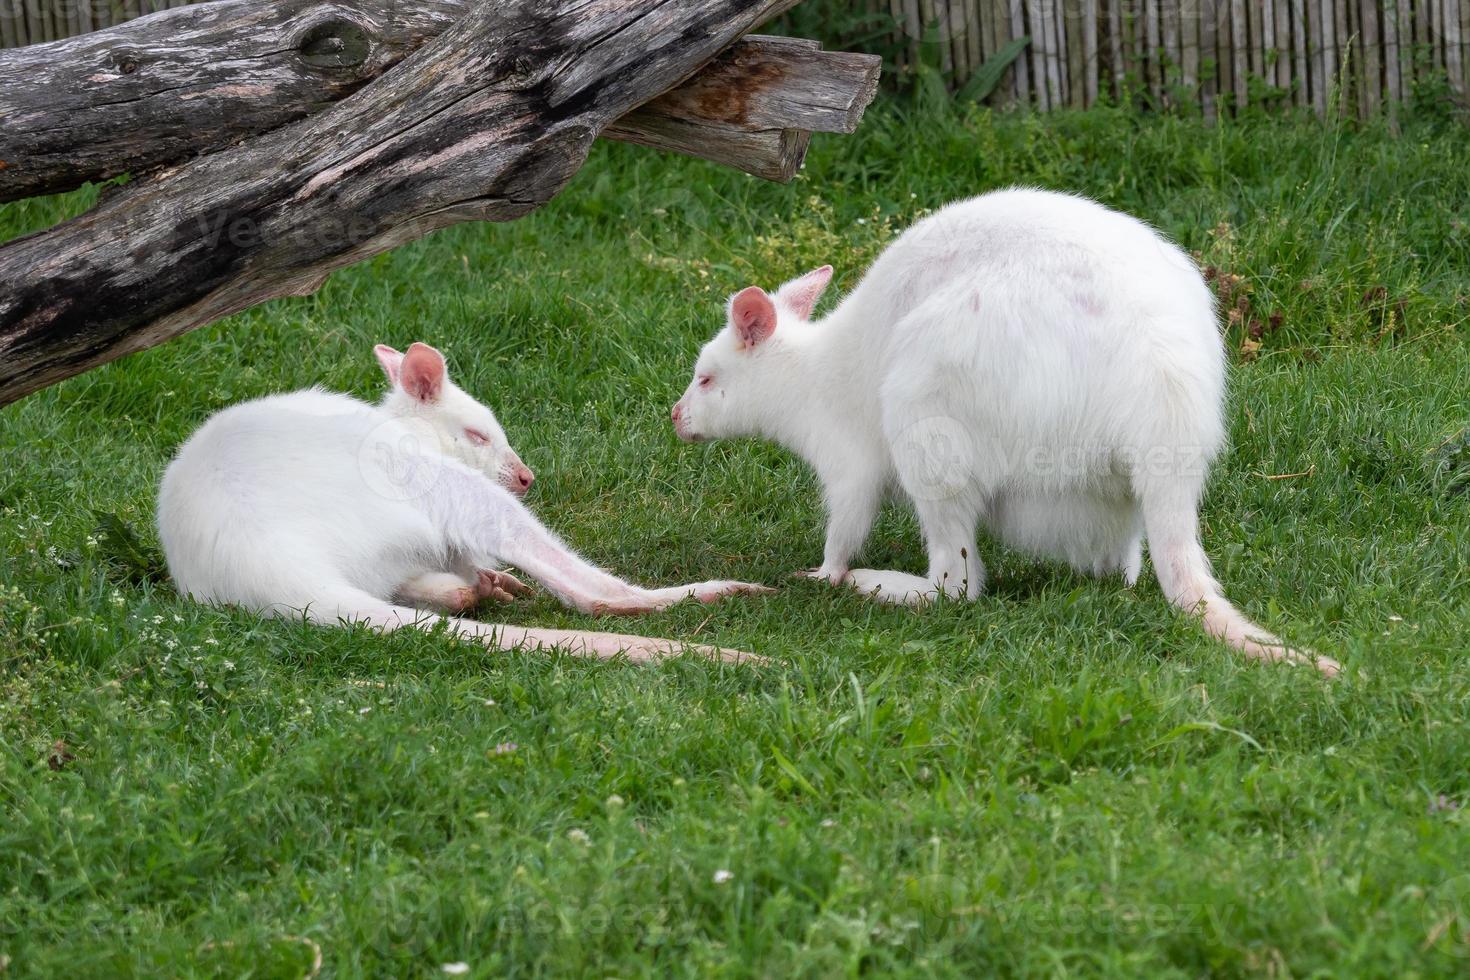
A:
[(753, 316), (422, 373), (390, 359), (801, 295)]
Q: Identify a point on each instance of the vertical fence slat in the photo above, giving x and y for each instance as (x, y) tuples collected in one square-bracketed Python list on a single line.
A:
[(1453, 59), (906, 13), (1170, 54), (1464, 34), (1296, 14), (1239, 42), (1023, 75), (1189, 27), (1350, 41), (1090, 59), (1036, 27), (1225, 44), (1139, 47), (1406, 48), (980, 39), (1207, 76), (1434, 32), (1335, 41), (1464, 7), (11, 27), (1283, 46), (1392, 77), (1253, 36), (1152, 52), (1050, 18), (1115, 46), (1268, 41), (1075, 63), (1372, 57)]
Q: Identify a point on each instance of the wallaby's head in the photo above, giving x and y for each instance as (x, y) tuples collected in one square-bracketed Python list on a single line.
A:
[(466, 430), (737, 378)]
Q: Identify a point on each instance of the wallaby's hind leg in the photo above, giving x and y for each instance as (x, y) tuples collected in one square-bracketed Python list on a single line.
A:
[(345, 604), (1171, 513), (490, 526), (948, 524), (955, 568)]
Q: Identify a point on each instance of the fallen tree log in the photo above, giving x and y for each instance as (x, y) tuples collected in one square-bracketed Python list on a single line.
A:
[(196, 79), (486, 122), (190, 80)]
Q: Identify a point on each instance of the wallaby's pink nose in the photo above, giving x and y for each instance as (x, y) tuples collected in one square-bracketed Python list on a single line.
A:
[(678, 411), (524, 477)]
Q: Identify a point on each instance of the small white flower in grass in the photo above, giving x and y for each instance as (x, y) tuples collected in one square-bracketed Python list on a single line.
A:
[(489, 702), (829, 822), (455, 969), (211, 641), (722, 876), (614, 801), (504, 748), (363, 711), (578, 836), (862, 221)]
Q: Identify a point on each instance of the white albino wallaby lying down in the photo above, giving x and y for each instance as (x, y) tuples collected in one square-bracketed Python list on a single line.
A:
[(1030, 360), (319, 503)]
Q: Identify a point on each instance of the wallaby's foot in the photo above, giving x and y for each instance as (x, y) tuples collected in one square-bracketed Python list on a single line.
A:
[(498, 585), (440, 590), (641, 601), (894, 588)]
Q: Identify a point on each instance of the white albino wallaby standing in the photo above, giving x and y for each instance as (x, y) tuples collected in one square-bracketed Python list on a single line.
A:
[(317, 503), (1027, 360)]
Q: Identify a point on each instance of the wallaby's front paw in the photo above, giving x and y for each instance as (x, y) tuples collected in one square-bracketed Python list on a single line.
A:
[(831, 576), (498, 585)]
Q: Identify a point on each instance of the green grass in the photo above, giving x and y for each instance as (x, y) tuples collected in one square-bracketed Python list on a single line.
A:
[(1062, 778)]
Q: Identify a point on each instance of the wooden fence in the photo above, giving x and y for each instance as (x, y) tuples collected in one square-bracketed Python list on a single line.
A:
[(1362, 56)]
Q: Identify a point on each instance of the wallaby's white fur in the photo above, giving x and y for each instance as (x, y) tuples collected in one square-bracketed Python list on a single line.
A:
[(1027, 360), (317, 503)]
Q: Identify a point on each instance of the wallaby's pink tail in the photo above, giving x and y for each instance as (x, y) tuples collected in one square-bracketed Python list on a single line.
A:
[(1183, 570)]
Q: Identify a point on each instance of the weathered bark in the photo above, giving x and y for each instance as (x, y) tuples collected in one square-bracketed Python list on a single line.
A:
[(488, 122), (196, 79), (189, 80), (756, 106)]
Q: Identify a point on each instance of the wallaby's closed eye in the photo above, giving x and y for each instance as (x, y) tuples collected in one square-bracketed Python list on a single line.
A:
[(318, 503), (1027, 360)]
